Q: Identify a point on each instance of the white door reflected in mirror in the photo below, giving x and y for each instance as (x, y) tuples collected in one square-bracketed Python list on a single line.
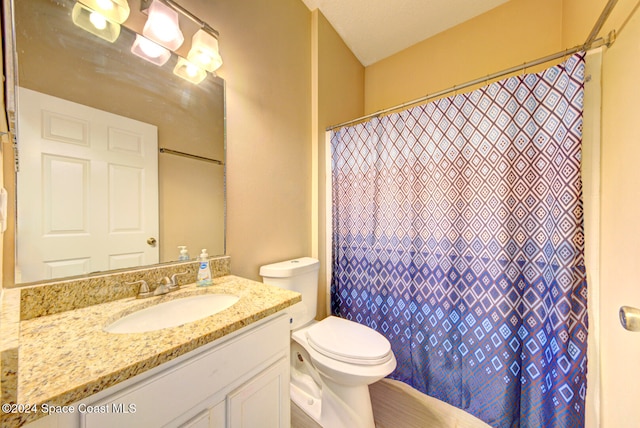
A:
[(96, 177)]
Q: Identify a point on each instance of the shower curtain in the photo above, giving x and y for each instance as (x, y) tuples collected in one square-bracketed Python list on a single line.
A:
[(458, 234)]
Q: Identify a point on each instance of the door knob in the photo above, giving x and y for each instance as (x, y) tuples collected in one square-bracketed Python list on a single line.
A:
[(152, 241), (630, 318)]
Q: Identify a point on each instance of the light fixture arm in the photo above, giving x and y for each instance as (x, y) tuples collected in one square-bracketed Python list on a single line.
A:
[(144, 5)]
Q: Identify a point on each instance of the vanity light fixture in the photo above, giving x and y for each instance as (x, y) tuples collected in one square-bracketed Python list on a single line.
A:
[(203, 55), (204, 51), (162, 26), (150, 51), (161, 35), (95, 23), (189, 71), (114, 10)]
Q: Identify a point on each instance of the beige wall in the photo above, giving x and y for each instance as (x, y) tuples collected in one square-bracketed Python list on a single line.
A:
[(338, 96), (511, 34), (267, 52), (578, 18), (288, 77), (620, 229)]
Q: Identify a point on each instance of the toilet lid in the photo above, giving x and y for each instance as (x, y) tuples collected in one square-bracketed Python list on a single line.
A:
[(348, 341)]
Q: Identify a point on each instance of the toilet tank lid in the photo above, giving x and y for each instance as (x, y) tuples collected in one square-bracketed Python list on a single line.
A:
[(290, 268)]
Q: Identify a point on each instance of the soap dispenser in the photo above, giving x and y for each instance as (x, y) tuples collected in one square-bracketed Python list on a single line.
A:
[(184, 254), (204, 271)]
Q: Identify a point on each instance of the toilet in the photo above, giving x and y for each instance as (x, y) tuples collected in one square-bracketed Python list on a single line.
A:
[(333, 361)]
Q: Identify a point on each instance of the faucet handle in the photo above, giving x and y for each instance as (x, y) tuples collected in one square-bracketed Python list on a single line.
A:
[(163, 286), (170, 284), (144, 290), (174, 282)]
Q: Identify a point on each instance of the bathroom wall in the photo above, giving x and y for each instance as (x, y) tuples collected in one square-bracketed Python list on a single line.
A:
[(511, 34), (266, 46), (288, 77), (578, 18), (338, 95), (620, 229), (616, 364)]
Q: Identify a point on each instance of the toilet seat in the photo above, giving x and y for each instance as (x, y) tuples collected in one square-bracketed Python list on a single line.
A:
[(349, 342)]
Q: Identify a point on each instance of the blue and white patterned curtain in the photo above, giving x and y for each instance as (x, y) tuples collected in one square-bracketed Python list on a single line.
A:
[(458, 234)]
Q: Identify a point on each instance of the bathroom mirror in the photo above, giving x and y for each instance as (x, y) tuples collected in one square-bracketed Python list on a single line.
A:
[(60, 60)]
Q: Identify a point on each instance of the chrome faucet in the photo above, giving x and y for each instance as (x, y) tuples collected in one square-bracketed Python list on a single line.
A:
[(144, 290), (174, 280), (164, 286)]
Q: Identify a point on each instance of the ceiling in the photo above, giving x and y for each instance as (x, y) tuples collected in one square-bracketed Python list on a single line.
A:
[(376, 29)]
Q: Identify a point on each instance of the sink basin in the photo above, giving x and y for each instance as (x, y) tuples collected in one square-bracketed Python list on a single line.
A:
[(172, 313)]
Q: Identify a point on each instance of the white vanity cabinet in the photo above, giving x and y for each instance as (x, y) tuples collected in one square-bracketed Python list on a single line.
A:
[(258, 402), (236, 381)]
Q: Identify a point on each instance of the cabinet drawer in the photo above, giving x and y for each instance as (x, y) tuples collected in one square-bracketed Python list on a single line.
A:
[(173, 392)]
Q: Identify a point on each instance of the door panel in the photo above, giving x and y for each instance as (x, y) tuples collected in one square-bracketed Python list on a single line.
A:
[(87, 189)]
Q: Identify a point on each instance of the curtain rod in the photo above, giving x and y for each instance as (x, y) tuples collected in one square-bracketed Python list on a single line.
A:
[(591, 43), (595, 44)]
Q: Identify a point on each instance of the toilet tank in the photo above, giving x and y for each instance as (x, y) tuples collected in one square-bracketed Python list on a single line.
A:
[(299, 275)]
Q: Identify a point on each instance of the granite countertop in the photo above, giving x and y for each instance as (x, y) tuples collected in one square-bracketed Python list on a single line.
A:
[(65, 357)]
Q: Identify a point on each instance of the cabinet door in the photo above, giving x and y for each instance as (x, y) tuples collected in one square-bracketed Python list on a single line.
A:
[(171, 394), (210, 418), (200, 421), (263, 401)]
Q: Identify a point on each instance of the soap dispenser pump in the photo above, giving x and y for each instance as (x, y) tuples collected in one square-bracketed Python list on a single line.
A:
[(204, 270), (184, 254)]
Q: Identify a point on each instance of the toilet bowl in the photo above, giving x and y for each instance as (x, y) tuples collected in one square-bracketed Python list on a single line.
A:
[(333, 361), (348, 357)]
